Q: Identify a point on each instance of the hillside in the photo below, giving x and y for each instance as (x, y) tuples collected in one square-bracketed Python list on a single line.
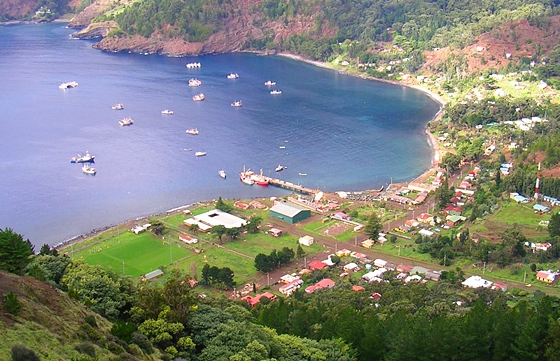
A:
[(51, 324), (17, 9)]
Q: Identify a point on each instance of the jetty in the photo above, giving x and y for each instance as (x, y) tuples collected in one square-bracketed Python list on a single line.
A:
[(291, 186)]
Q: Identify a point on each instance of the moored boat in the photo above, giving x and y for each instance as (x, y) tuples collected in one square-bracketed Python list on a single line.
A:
[(117, 106), (193, 65), (199, 97), (200, 154), (167, 112), (259, 179), (194, 82), (237, 103), (275, 92), (86, 158), (126, 121), (87, 169), (279, 168), (70, 84), (192, 131), (233, 76), (269, 83), (246, 176), (222, 173)]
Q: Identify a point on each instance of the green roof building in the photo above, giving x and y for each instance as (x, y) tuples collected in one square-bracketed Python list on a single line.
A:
[(290, 213)]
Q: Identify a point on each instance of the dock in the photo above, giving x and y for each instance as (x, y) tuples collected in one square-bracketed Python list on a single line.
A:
[(291, 186)]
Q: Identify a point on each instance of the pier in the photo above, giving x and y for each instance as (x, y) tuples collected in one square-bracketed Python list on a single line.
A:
[(290, 186)]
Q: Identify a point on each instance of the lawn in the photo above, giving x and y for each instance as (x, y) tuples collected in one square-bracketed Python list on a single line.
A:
[(140, 253)]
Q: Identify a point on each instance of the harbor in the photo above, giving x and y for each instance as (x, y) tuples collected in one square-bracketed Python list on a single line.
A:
[(291, 186)]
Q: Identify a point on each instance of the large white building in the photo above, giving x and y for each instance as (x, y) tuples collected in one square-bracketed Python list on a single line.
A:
[(215, 217)]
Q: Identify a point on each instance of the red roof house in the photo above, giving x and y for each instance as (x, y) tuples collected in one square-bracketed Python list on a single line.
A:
[(324, 283), (317, 265), (357, 288), (253, 301)]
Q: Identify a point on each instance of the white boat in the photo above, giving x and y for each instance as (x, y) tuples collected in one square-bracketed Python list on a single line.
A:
[(248, 181), (222, 173), (302, 174), (86, 158), (200, 154), (87, 169), (279, 168), (269, 83), (199, 97), (282, 147), (126, 121), (237, 103), (167, 112), (246, 176), (192, 131), (275, 92), (117, 106), (259, 179), (71, 84), (193, 65), (194, 82), (233, 76)]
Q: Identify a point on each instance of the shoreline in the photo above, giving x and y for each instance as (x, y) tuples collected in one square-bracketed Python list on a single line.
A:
[(431, 139)]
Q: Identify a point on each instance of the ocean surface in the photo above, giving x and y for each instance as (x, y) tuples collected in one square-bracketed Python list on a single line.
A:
[(343, 132)]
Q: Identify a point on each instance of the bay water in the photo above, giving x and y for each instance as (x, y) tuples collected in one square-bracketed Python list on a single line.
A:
[(332, 131)]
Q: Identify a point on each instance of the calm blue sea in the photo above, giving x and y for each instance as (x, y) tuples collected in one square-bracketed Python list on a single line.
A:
[(344, 132)]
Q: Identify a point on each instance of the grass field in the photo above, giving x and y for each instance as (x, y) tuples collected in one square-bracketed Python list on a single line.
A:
[(140, 253)]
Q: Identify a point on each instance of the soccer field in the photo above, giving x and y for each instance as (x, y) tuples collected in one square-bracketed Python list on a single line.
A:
[(136, 254)]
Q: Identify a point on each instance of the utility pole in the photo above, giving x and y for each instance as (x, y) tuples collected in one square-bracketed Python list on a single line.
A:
[(484, 268), (170, 253), (123, 267), (268, 278)]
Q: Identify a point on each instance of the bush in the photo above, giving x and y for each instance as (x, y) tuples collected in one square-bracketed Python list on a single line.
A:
[(11, 303), (90, 320), (143, 342), (86, 348), (22, 353)]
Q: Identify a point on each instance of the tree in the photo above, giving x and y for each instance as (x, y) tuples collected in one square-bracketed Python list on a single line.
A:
[(45, 250), (22, 353), (253, 224), (373, 226), (219, 230), (233, 233), (11, 303), (225, 276), (554, 225), (48, 268), (157, 228), (300, 252), (450, 161), (223, 206), (15, 253), (262, 263)]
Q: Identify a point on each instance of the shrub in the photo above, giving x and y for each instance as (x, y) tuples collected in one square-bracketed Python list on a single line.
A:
[(22, 353), (11, 303), (90, 320), (143, 342), (86, 348)]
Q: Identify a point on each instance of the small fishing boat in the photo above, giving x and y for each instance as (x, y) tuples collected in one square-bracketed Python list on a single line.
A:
[(237, 103), (87, 169), (167, 112), (302, 174), (117, 106), (279, 168), (233, 76), (200, 154), (199, 97), (282, 147), (275, 92), (222, 173), (86, 158), (269, 83), (126, 121), (192, 131), (71, 84), (194, 82), (193, 65)]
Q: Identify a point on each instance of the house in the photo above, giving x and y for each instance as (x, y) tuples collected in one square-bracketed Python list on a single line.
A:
[(317, 265), (351, 267), (371, 277), (376, 296), (291, 287), (241, 205), (453, 210), (187, 239), (476, 282), (341, 215), (152, 275), (215, 217), (390, 266), (368, 243), (425, 233), (540, 246), (306, 241), (343, 253), (324, 283), (357, 255), (412, 278), (257, 204), (253, 301), (539, 208), (499, 286), (419, 270), (139, 229), (432, 275), (289, 212), (289, 278), (547, 276), (357, 288), (379, 263), (404, 268), (452, 221), (425, 218), (275, 232)]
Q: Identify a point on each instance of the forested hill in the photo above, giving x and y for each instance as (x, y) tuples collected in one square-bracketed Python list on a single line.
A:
[(309, 28)]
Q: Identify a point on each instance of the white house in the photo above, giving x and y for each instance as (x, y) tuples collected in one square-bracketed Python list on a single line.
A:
[(476, 282), (306, 240)]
